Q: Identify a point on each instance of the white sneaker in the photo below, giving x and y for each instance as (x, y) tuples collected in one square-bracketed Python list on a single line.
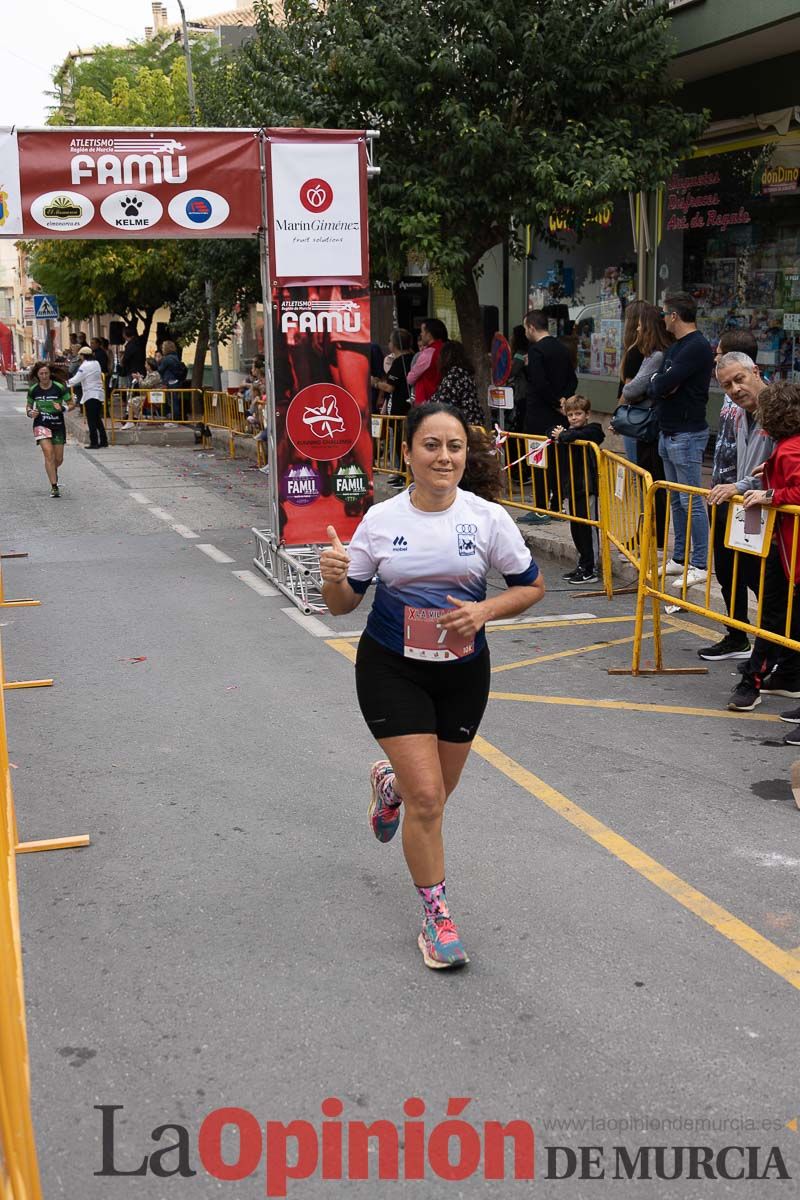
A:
[(673, 568), (693, 575), (127, 425)]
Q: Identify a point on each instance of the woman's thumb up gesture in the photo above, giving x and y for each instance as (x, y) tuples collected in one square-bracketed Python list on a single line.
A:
[(334, 560)]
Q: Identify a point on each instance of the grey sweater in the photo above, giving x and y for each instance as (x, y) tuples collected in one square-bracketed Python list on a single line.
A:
[(636, 390), (753, 447)]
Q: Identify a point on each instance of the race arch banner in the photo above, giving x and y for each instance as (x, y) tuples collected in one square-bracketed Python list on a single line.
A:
[(129, 184), (321, 340)]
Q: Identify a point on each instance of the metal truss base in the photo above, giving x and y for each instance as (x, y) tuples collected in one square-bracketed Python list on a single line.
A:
[(294, 571)]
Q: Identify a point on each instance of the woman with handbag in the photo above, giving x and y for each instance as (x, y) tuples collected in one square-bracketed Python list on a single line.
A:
[(652, 341), (630, 362)]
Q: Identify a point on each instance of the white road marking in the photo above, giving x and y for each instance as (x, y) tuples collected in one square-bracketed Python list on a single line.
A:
[(256, 583), (17, 409), (139, 498), (184, 531), (213, 552), (311, 624), (161, 514)]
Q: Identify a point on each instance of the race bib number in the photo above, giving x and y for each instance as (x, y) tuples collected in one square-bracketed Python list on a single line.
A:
[(424, 638), (42, 431)]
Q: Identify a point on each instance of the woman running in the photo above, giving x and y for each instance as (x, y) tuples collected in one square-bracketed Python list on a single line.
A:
[(422, 669), (47, 402)]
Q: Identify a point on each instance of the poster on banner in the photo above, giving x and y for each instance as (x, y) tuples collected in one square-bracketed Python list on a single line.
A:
[(323, 420), (136, 183), (10, 201), (317, 207)]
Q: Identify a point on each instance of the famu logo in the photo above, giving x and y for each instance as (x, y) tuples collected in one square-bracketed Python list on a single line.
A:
[(301, 485), (350, 483), (321, 316), (62, 210)]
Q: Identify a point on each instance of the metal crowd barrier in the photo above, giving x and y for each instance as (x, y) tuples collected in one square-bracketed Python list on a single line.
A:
[(541, 477), (141, 408), (624, 489), (388, 433), (226, 411), (659, 588)]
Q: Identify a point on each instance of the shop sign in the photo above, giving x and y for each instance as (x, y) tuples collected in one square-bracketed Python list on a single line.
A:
[(791, 322), (693, 206), (778, 181), (562, 223)]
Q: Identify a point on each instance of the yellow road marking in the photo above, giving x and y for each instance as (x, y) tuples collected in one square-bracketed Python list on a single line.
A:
[(629, 706), (529, 662), (702, 631), (343, 646), (782, 962)]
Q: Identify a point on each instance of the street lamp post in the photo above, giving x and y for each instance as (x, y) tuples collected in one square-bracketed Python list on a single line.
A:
[(216, 375)]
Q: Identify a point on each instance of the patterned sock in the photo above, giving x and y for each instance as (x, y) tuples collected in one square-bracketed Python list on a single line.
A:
[(434, 901), (387, 790)]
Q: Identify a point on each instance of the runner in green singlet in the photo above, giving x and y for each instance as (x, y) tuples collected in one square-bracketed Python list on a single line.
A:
[(48, 400)]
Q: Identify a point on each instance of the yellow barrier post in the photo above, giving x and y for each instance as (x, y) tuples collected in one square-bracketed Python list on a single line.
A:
[(14, 603), (19, 1171)]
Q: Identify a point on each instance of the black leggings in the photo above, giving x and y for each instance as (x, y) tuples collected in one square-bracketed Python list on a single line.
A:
[(400, 695)]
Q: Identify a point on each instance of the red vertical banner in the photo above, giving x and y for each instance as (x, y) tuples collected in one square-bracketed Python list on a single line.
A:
[(323, 435)]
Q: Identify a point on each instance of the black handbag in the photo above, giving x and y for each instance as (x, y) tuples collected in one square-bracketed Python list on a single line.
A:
[(639, 421)]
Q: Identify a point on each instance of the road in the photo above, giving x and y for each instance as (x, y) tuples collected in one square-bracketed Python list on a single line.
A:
[(622, 860)]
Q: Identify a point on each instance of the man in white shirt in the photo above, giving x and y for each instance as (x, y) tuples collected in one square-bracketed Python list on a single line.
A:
[(90, 378)]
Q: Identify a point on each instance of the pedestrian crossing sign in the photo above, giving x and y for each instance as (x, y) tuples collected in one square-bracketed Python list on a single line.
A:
[(45, 308)]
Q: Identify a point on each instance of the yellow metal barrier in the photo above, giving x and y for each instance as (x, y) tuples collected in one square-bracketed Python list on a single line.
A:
[(388, 433), (138, 408), (19, 1172), (221, 410), (659, 588), (541, 476), (624, 488)]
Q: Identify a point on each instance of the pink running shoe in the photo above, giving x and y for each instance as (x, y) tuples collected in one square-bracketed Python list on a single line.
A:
[(440, 944), (384, 819)]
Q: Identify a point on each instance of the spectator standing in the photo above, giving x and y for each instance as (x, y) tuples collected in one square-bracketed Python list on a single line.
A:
[(100, 353), (173, 373), (90, 379), (518, 379), (630, 363), (425, 374), (680, 388), (551, 378), (395, 390), (457, 386), (579, 485), (652, 343), (770, 668), (725, 471), (133, 353)]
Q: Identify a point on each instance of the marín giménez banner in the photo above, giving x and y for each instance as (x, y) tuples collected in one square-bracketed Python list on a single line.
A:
[(317, 206), (131, 183)]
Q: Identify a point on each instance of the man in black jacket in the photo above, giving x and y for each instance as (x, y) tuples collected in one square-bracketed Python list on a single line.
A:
[(133, 353), (551, 378)]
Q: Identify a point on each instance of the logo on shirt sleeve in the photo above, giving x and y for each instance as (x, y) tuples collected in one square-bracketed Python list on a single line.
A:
[(466, 539)]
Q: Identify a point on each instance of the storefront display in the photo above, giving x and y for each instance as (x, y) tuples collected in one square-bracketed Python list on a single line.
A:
[(730, 234)]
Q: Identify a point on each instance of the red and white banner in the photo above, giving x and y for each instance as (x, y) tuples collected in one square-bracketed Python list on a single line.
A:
[(130, 183), (317, 203), (324, 441)]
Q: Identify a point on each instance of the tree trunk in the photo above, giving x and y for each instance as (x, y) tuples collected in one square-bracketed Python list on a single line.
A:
[(148, 321), (470, 326), (200, 356)]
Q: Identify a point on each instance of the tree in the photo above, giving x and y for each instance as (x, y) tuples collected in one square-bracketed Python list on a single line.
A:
[(143, 84), (493, 114)]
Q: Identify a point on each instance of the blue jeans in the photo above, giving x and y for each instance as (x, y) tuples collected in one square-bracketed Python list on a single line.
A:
[(682, 456), (631, 448)]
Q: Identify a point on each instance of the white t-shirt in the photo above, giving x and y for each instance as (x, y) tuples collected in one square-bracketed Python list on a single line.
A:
[(421, 558)]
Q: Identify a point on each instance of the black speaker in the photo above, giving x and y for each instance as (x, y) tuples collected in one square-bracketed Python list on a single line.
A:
[(115, 329)]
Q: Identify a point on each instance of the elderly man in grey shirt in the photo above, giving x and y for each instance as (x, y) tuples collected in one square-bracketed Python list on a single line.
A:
[(740, 379)]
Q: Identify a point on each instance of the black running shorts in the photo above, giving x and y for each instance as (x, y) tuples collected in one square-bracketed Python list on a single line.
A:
[(400, 695)]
